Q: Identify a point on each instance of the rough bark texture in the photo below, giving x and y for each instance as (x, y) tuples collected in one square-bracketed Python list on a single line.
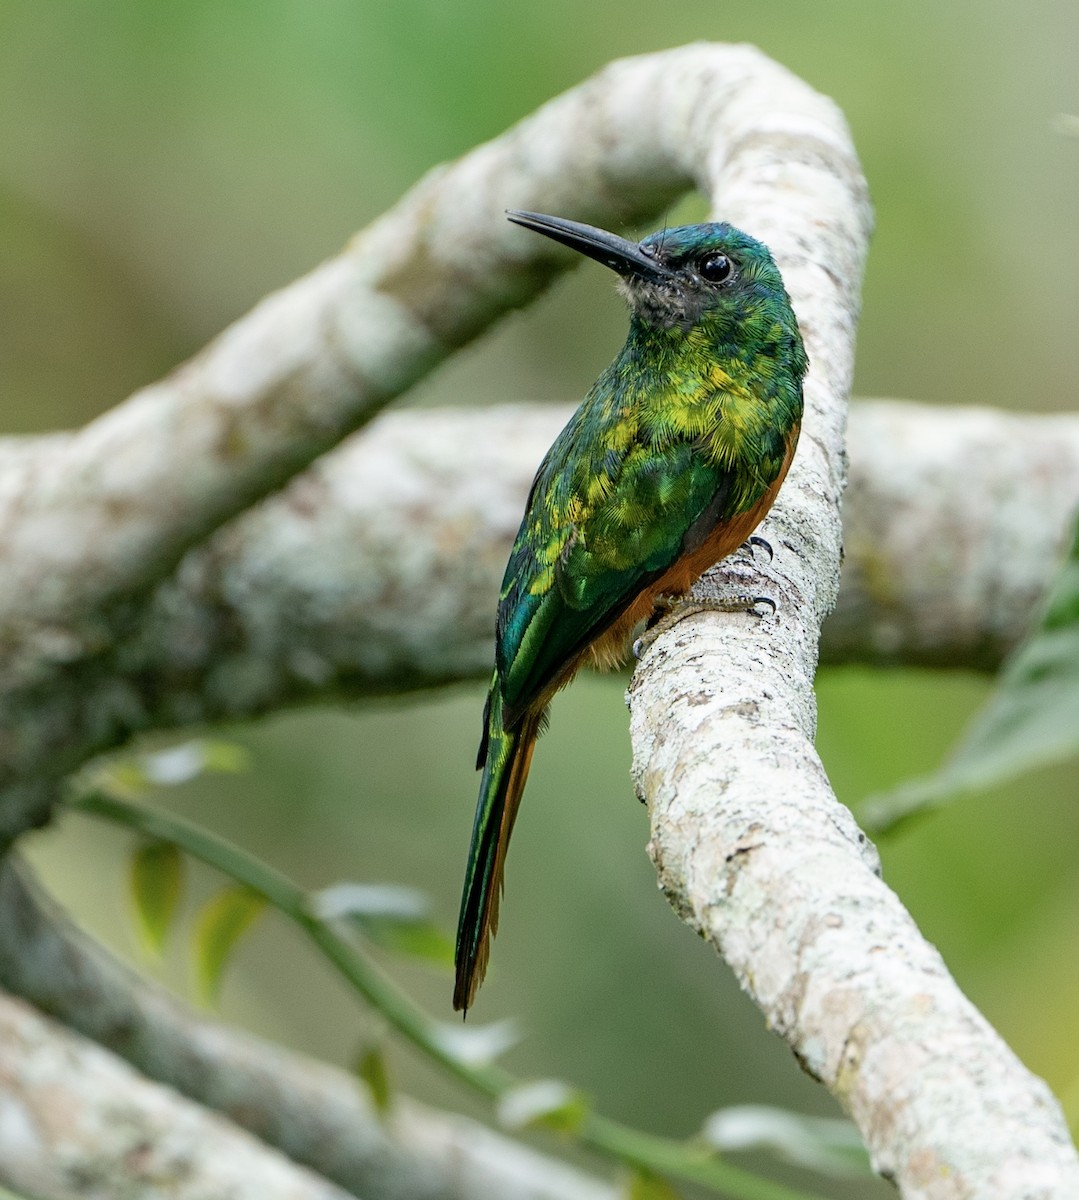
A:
[(751, 845), (954, 522), (376, 571)]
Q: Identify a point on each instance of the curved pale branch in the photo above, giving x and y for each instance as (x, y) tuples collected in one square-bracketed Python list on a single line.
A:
[(751, 845), (89, 522)]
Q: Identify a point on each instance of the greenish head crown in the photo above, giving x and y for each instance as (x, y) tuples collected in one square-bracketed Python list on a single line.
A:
[(709, 269), (682, 277)]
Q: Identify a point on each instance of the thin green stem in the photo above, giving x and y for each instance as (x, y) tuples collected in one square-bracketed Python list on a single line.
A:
[(646, 1151), (291, 900), (666, 1156)]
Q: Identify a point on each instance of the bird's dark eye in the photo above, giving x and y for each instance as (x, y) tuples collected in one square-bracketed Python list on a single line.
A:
[(716, 268)]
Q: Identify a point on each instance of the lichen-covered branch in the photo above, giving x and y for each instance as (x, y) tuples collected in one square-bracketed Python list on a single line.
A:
[(77, 1123), (376, 570), (954, 522), (318, 1116), (756, 853)]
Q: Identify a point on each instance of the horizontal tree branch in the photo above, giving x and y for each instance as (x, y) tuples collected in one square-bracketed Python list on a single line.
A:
[(955, 520), (318, 1116), (376, 570), (79, 1124)]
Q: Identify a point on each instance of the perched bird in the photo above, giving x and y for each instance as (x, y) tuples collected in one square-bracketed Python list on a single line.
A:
[(669, 464)]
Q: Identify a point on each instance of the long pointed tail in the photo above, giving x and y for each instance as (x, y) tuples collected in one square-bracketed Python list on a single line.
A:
[(505, 769)]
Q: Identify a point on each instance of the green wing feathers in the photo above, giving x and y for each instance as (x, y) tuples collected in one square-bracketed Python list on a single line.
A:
[(605, 520), (505, 757)]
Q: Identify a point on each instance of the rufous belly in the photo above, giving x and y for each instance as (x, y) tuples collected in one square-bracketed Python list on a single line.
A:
[(609, 650)]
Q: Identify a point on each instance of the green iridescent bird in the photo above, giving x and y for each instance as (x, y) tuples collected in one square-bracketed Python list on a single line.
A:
[(669, 464)]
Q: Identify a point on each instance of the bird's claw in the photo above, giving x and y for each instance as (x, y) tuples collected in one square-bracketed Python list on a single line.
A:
[(764, 544), (757, 606), (670, 610)]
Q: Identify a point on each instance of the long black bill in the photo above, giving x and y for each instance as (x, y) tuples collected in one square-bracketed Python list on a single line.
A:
[(625, 257)]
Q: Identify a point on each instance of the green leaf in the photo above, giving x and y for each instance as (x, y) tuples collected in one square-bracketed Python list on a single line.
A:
[(371, 1068), (220, 925), (225, 758), (416, 939), (120, 777), (644, 1185), (388, 915), (156, 878), (828, 1145), (543, 1102), (1030, 720)]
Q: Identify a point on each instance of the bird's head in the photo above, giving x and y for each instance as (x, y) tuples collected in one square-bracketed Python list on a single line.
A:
[(679, 276)]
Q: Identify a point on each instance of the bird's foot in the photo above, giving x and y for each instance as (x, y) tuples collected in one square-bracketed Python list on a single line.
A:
[(669, 610), (750, 545)]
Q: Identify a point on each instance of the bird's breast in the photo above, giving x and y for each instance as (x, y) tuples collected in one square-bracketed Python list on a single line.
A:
[(709, 548)]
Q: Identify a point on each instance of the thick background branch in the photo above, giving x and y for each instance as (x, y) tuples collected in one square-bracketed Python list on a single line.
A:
[(954, 522), (376, 570)]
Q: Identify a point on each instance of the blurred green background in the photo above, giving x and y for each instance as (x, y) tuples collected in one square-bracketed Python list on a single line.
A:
[(162, 165)]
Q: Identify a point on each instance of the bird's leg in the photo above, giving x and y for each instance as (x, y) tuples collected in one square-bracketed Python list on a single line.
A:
[(750, 544), (669, 610)]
